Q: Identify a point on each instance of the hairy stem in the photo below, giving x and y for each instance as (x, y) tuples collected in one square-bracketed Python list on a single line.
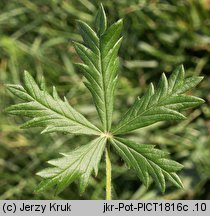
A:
[(108, 174)]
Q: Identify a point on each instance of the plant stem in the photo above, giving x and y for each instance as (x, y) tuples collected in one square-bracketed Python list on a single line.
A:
[(108, 174)]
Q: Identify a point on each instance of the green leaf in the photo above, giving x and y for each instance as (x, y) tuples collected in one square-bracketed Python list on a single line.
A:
[(77, 164), (161, 104), (100, 63), (148, 161), (48, 111), (100, 21)]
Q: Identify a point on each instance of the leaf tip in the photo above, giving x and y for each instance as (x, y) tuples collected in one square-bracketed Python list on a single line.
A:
[(181, 67), (100, 20), (163, 190), (43, 131), (80, 23), (199, 101), (181, 185), (39, 173), (163, 76), (26, 73), (151, 87), (43, 83), (200, 78), (120, 21)]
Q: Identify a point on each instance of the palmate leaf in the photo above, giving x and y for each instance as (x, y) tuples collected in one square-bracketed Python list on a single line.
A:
[(99, 67), (99, 54), (77, 164), (148, 161), (161, 104), (48, 111)]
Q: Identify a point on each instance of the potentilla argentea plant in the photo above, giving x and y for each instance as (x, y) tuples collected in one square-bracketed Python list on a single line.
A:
[(100, 64)]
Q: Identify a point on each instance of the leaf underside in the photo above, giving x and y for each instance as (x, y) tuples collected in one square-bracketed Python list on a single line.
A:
[(163, 103)]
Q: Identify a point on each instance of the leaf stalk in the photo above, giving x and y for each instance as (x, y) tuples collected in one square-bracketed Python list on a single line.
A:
[(108, 174)]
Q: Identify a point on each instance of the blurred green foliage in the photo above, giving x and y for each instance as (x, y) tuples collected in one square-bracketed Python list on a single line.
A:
[(158, 35)]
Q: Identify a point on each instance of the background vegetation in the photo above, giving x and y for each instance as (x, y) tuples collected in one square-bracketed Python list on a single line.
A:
[(158, 35)]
